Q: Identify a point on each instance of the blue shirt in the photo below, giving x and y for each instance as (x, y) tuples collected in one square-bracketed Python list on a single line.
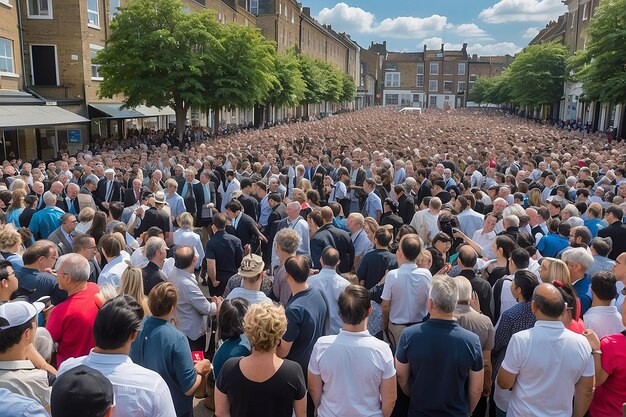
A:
[(45, 222), (15, 405), (583, 291), (372, 205), (550, 245), (231, 348), (440, 354), (177, 204), (34, 285), (165, 350)]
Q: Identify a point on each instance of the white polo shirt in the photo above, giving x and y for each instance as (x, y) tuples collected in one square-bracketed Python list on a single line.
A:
[(407, 288), (548, 360), (138, 391), (604, 320), (352, 366)]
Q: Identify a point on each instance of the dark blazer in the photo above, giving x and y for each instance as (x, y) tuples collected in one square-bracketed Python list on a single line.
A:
[(130, 198), (392, 219), (317, 179), (319, 241), (191, 204), (617, 232), (62, 204), (63, 245), (424, 191), (343, 244), (279, 213), (101, 189), (406, 208), (246, 230), (152, 276), (250, 206), (198, 192), (154, 217)]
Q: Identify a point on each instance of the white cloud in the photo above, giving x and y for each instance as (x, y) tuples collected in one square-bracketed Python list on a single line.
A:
[(530, 33), (523, 11), (469, 30), (500, 48), (356, 20), (347, 18)]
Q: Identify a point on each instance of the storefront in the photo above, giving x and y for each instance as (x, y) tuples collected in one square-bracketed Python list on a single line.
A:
[(112, 119)]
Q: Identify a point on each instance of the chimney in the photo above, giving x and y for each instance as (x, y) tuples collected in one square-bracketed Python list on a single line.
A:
[(442, 47), (306, 11), (424, 47), (464, 46), (474, 57)]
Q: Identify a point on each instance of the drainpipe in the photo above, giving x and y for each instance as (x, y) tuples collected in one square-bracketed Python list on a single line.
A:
[(18, 5)]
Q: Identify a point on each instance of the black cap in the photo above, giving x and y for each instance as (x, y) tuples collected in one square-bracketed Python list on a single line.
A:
[(81, 392)]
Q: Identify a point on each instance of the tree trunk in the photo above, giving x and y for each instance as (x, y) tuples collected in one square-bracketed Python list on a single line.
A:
[(181, 117), (216, 121)]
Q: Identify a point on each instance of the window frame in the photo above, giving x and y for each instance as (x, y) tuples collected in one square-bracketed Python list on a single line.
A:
[(450, 83), (391, 81), (92, 12), (9, 43), (30, 15), (430, 89), (430, 68), (95, 48), (458, 86), (113, 11), (461, 65)]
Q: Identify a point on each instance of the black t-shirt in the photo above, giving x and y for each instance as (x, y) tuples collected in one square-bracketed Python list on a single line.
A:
[(273, 397), (373, 266)]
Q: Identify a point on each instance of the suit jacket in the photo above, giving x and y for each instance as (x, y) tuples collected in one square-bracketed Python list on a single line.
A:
[(343, 244), (154, 217), (424, 191), (279, 213), (62, 204), (198, 192), (250, 206), (57, 237), (130, 199), (101, 189), (246, 230), (191, 203), (406, 208), (319, 241), (317, 179), (617, 232)]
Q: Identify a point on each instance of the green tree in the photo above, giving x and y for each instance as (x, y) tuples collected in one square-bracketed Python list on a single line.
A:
[(289, 88), (480, 88), (314, 81), (602, 65), (537, 74), (244, 73), (348, 91), (156, 55), (333, 83), (499, 92)]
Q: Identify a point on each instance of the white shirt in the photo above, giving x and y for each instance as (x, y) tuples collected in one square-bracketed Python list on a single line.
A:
[(351, 386), (232, 186), (425, 224), (190, 238), (548, 360), (470, 221), (604, 320), (138, 391), (331, 284), (113, 270), (485, 241), (407, 290)]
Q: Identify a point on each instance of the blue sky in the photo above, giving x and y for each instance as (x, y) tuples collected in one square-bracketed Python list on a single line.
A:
[(490, 27)]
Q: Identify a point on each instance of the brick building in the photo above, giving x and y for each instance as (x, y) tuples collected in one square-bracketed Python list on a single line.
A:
[(486, 66)]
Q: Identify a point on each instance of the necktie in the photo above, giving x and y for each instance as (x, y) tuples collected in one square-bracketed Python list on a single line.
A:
[(137, 196), (207, 194), (70, 206), (109, 191), (188, 193), (70, 238)]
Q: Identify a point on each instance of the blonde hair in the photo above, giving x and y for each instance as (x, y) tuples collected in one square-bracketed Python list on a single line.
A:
[(120, 238), (185, 220), (9, 238), (371, 224), (19, 184), (86, 215), (17, 199), (107, 292), (557, 270), (305, 185), (534, 197), (264, 325), (131, 284)]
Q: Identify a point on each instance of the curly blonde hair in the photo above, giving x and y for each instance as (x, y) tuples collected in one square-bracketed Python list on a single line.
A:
[(264, 325)]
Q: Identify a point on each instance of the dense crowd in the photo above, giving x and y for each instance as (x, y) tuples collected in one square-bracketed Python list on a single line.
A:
[(369, 263)]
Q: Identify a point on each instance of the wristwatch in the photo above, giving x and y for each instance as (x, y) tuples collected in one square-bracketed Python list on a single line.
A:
[(596, 352)]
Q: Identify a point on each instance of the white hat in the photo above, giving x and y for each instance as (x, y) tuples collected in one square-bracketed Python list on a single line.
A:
[(19, 312), (109, 171)]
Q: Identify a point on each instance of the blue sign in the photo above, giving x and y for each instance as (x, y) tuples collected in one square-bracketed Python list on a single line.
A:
[(73, 135)]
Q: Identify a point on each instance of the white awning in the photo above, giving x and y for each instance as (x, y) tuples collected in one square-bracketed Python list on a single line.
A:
[(36, 116), (155, 111), (117, 111)]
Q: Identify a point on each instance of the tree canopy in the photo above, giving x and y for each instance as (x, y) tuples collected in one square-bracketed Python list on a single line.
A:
[(602, 65)]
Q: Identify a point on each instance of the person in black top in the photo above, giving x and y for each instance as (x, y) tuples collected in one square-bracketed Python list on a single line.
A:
[(154, 216), (341, 240), (378, 261), (467, 261), (31, 202), (156, 252), (242, 226), (390, 216), (249, 203), (406, 204), (224, 254)]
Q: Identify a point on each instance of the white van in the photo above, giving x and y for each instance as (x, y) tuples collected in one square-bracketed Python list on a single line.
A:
[(411, 110)]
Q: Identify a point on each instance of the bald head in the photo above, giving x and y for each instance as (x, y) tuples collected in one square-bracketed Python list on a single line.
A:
[(327, 214), (548, 303)]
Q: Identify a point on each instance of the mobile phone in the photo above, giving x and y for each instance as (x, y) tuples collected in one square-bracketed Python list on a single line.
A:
[(453, 258), (44, 300), (197, 355)]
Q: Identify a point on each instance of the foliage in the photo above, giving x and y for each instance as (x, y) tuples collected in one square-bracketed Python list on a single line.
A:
[(289, 88), (602, 65), (348, 89), (314, 80)]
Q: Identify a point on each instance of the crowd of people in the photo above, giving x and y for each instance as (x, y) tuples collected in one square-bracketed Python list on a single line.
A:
[(370, 263)]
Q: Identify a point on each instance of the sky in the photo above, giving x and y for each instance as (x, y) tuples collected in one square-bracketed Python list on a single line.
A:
[(489, 27)]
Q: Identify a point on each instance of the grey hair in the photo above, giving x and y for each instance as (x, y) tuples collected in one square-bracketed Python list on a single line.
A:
[(91, 179), (73, 185), (444, 293), (578, 255), (152, 246), (288, 240), (572, 210), (44, 343), (464, 287), (49, 198), (74, 265), (512, 220)]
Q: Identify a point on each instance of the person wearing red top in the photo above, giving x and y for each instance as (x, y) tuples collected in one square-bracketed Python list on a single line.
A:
[(71, 322), (609, 355)]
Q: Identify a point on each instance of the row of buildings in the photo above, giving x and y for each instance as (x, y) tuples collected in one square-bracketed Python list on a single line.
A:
[(49, 85), (571, 29)]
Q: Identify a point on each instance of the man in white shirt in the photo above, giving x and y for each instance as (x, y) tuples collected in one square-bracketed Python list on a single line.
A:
[(138, 391), (425, 221), (469, 220), (548, 367), (331, 284), (603, 318), (405, 292), (333, 370), (233, 184)]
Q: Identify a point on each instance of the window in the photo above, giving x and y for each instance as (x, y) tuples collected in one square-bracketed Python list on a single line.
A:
[(280, 9), (434, 68), (420, 76), (585, 11), (433, 85), (39, 9), (460, 86), (573, 18), (447, 86), (93, 17), (8, 2), (461, 68), (6, 56), (473, 78), (254, 7), (45, 70), (113, 8), (391, 99), (392, 79), (293, 18), (432, 101), (95, 69)]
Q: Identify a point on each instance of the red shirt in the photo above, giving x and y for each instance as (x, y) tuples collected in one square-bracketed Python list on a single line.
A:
[(609, 397), (71, 323)]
